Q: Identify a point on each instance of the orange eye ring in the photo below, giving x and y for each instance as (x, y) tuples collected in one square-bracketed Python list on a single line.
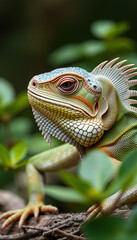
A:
[(67, 85)]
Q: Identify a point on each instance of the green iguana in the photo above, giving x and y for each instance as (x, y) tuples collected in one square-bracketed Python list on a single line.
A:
[(86, 111)]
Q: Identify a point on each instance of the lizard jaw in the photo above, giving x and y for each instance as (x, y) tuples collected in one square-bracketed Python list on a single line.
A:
[(33, 95), (82, 130)]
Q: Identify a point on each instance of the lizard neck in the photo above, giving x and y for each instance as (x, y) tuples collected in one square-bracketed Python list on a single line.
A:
[(82, 150)]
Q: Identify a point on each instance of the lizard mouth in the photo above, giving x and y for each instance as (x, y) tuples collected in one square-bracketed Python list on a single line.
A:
[(96, 107), (32, 95)]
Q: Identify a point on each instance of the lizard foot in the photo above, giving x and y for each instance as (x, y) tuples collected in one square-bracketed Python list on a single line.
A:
[(105, 208), (22, 214)]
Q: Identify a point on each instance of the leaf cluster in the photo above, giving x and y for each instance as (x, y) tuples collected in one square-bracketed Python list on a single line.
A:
[(17, 141), (96, 179)]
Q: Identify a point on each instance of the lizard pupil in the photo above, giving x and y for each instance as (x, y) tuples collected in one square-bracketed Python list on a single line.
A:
[(67, 85)]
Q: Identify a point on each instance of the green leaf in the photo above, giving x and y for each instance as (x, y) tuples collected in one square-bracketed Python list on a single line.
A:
[(20, 164), (112, 227), (106, 228), (7, 92), (4, 156), (37, 144), (18, 152), (81, 186), (101, 28), (119, 29), (75, 182), (20, 127), (122, 45), (97, 169), (127, 176), (92, 48), (65, 54), (75, 52), (18, 105), (21, 103), (108, 29), (132, 223), (64, 194)]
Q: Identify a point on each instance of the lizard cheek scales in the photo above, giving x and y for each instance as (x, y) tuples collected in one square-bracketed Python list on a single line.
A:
[(67, 107)]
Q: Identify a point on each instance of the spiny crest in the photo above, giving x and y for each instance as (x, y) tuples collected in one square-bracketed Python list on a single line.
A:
[(120, 75)]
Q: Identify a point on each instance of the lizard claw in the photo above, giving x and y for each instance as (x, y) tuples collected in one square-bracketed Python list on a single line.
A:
[(93, 212), (106, 207), (23, 214)]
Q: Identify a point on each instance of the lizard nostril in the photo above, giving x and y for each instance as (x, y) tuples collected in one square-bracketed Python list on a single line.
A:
[(34, 84), (95, 86)]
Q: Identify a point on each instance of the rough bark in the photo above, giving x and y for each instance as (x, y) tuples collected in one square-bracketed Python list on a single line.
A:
[(49, 227)]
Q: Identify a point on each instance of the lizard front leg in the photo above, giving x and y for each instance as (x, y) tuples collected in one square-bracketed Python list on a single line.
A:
[(54, 159), (36, 200)]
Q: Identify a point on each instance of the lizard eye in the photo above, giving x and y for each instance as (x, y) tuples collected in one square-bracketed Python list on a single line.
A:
[(67, 85), (34, 83)]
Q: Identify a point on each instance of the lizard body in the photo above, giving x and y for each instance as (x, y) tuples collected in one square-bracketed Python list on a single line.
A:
[(87, 111)]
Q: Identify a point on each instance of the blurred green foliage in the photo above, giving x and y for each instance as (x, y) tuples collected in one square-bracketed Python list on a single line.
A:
[(11, 158), (9, 104), (112, 227), (109, 42), (18, 141), (94, 182)]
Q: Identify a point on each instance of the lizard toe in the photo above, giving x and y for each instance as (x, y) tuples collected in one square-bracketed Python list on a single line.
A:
[(27, 211), (48, 208), (36, 212), (23, 214), (12, 218), (94, 213), (7, 214)]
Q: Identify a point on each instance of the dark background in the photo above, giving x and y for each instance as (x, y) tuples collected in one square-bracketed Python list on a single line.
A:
[(32, 29)]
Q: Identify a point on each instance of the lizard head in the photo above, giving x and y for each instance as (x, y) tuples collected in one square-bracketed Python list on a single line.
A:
[(68, 104), (76, 106)]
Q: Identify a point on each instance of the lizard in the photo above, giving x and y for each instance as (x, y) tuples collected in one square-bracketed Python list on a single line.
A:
[(86, 110)]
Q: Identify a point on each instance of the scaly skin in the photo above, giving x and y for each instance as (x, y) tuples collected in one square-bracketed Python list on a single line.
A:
[(87, 111)]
